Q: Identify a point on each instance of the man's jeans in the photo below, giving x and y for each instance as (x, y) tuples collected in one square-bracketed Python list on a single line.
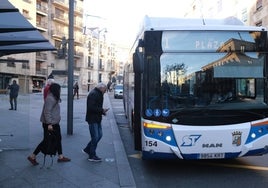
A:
[(11, 100), (95, 130)]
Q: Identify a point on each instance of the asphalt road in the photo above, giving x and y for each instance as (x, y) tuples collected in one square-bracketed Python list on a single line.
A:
[(248, 172)]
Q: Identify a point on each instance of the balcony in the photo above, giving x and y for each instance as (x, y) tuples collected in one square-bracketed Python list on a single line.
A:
[(78, 54), (79, 25), (58, 34), (42, 26), (90, 66), (61, 3), (78, 10), (77, 68), (41, 56), (62, 18), (101, 68), (42, 10), (41, 72), (79, 39)]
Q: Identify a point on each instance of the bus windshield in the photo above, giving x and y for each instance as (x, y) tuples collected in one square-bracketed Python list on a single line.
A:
[(212, 73)]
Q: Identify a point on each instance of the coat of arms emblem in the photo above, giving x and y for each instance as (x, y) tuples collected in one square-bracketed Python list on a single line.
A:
[(236, 138)]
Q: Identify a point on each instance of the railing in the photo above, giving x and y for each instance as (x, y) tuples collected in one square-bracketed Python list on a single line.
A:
[(58, 33), (42, 24), (61, 2), (60, 17), (41, 55), (41, 8)]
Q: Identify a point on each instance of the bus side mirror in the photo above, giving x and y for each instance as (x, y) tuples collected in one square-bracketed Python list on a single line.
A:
[(137, 62)]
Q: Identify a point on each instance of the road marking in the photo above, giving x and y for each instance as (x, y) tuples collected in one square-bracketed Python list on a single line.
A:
[(109, 159), (249, 167), (137, 156), (120, 114)]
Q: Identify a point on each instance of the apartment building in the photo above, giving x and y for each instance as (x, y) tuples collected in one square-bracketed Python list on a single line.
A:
[(100, 57), (51, 18), (251, 12), (259, 13)]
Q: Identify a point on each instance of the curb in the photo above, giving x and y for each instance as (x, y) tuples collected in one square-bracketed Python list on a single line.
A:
[(126, 178)]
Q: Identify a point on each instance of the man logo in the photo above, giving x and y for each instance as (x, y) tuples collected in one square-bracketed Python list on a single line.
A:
[(237, 138), (217, 145)]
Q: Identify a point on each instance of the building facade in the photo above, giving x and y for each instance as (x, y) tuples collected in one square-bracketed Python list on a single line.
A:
[(95, 59), (250, 12), (92, 63)]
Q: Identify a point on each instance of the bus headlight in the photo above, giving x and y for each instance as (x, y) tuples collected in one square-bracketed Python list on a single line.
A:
[(253, 135), (159, 131), (256, 132), (168, 138)]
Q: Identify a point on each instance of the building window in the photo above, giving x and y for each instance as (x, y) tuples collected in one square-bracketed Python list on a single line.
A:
[(100, 65), (259, 23), (26, 14), (59, 13), (25, 66), (10, 63), (100, 75), (89, 63), (57, 44), (38, 5), (244, 15), (89, 77), (89, 46), (259, 4), (38, 20)]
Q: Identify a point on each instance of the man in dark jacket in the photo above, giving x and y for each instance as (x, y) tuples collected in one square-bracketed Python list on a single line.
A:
[(94, 114), (13, 94)]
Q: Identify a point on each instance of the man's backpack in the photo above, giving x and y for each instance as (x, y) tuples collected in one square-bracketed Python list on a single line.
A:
[(49, 146)]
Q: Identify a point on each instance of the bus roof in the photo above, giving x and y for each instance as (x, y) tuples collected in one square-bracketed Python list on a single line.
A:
[(161, 23), (169, 24)]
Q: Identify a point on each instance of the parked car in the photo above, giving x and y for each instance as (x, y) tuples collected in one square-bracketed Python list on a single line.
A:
[(118, 91)]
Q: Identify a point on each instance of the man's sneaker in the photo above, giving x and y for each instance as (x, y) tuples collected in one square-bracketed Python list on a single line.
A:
[(94, 159)]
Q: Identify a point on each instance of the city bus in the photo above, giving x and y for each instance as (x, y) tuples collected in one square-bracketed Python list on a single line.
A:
[(197, 89)]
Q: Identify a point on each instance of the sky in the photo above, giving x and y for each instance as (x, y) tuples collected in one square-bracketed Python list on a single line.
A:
[(122, 18)]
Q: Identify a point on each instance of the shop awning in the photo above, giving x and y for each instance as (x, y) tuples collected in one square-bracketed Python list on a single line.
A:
[(17, 35)]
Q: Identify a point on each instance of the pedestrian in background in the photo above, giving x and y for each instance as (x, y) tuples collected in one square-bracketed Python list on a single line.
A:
[(13, 94), (50, 118), (94, 112), (76, 90), (109, 86)]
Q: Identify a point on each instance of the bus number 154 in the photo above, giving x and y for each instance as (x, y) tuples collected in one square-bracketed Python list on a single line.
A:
[(151, 143)]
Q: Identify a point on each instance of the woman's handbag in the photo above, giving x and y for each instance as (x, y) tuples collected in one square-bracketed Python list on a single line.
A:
[(49, 146)]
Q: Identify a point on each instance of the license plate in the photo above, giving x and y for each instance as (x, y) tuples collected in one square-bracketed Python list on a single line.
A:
[(212, 156)]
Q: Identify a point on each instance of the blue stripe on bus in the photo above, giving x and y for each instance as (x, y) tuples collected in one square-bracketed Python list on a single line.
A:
[(161, 134), (258, 131), (156, 155), (149, 155), (261, 151)]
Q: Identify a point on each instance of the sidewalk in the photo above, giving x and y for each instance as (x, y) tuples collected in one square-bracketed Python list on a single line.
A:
[(21, 131)]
